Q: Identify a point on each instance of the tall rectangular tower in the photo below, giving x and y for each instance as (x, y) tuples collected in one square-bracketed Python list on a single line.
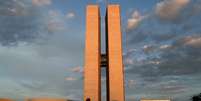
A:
[(114, 37), (92, 73), (111, 60)]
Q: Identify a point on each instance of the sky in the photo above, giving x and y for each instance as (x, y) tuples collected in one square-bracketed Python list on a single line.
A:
[(42, 48)]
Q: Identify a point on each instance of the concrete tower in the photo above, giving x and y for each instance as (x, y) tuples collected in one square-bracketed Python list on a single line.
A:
[(111, 60), (92, 69), (114, 51)]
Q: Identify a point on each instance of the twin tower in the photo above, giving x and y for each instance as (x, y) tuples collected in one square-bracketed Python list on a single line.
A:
[(111, 59)]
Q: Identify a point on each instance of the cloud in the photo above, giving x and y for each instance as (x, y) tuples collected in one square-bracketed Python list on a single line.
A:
[(20, 22), (13, 89), (165, 46), (148, 48), (153, 30), (194, 41), (56, 21), (23, 63), (41, 2), (170, 9), (77, 69), (13, 8), (28, 24), (163, 52), (134, 20), (131, 83), (174, 88), (189, 41), (38, 44), (128, 61), (35, 45), (70, 15), (70, 79)]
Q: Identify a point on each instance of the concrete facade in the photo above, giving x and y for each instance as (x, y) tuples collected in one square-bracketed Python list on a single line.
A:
[(116, 74), (92, 73), (111, 60)]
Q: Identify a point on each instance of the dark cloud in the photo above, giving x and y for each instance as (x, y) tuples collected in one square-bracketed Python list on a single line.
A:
[(19, 21), (179, 59), (162, 57), (170, 9), (14, 7), (18, 29), (159, 30), (166, 60), (36, 44)]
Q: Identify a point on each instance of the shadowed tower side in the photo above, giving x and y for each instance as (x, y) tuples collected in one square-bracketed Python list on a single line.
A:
[(92, 69), (114, 42)]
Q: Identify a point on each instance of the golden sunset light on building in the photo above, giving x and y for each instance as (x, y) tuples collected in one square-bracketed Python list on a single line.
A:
[(111, 60), (88, 50), (92, 73)]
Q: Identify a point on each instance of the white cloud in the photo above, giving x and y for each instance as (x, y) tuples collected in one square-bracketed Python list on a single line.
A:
[(192, 41), (16, 8), (13, 10), (70, 79), (54, 13), (165, 46), (70, 15), (129, 61), (77, 69), (134, 21), (170, 9), (155, 62), (41, 2), (56, 21), (148, 48)]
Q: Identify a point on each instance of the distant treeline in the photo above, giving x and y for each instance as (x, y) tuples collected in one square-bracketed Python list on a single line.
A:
[(196, 97)]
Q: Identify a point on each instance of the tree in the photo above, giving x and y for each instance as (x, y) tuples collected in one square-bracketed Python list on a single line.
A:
[(196, 97)]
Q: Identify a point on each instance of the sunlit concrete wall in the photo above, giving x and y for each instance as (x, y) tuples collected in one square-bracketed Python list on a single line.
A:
[(92, 69), (116, 74)]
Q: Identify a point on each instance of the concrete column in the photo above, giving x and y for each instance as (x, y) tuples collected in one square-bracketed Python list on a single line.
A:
[(92, 70), (116, 74)]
